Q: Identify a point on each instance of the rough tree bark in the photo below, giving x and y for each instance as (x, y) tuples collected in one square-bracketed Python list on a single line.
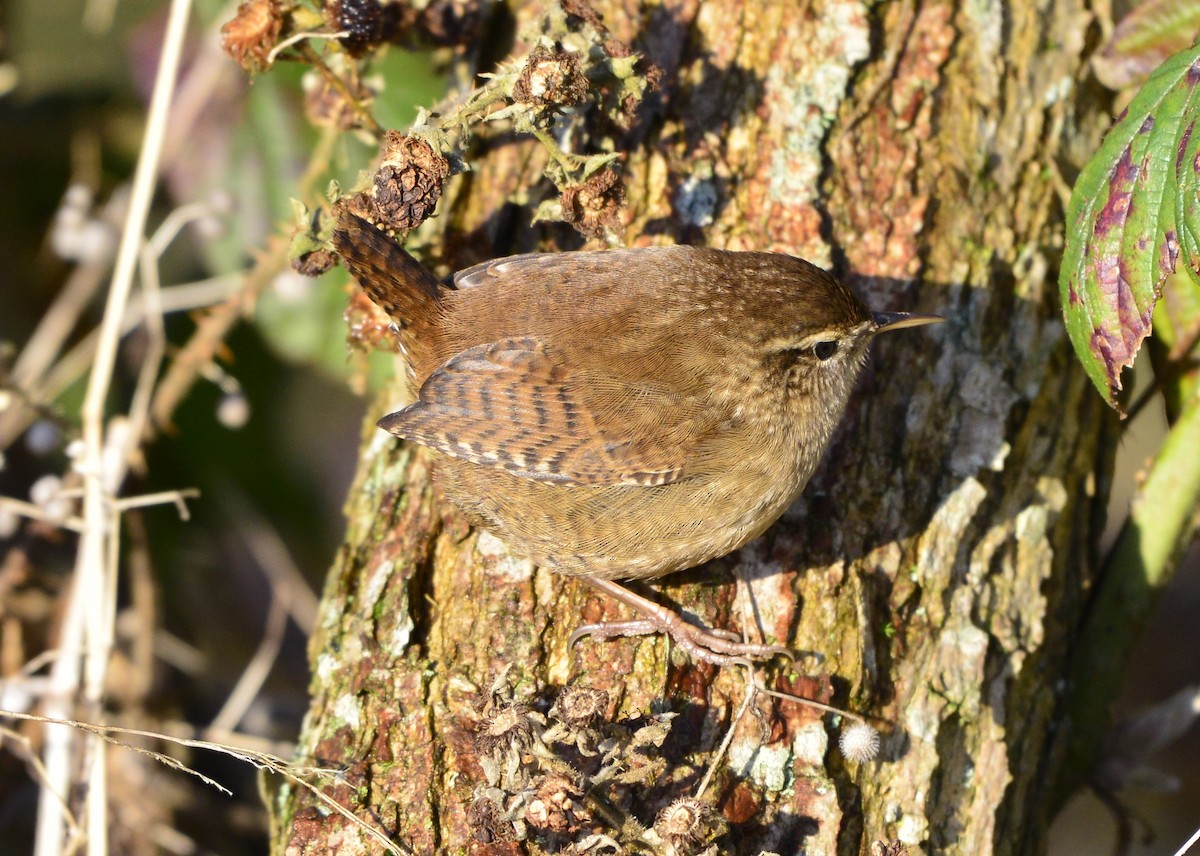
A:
[(939, 560)]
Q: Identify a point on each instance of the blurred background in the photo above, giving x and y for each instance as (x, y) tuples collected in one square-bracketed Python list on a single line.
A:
[(268, 434), (215, 610)]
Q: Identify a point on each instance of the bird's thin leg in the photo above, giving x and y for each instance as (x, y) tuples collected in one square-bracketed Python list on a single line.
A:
[(710, 646)]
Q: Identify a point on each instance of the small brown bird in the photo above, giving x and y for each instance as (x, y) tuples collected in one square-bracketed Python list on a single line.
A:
[(623, 413)]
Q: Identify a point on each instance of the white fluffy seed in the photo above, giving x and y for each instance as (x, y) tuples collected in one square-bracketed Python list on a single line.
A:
[(859, 742)]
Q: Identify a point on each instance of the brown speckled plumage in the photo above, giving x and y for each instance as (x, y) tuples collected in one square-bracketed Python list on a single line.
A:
[(622, 413)]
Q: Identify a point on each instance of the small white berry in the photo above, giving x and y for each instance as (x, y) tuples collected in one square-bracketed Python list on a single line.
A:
[(233, 411)]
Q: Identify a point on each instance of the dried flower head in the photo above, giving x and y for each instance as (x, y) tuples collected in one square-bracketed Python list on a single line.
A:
[(251, 34), (859, 742), (580, 707), (557, 806), (550, 78), (327, 105), (487, 822), (684, 824), (510, 726), (409, 182), (594, 206), (582, 9)]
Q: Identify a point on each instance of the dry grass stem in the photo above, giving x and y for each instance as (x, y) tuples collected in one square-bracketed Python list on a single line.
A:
[(90, 609), (260, 760)]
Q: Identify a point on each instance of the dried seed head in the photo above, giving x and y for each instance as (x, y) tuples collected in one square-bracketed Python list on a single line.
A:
[(579, 707), (550, 78), (251, 34), (557, 806), (582, 9), (510, 726), (369, 327), (859, 742), (488, 823), (326, 105), (409, 182), (594, 206), (684, 824)]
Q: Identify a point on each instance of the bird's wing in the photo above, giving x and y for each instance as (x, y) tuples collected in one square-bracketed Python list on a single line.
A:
[(517, 405)]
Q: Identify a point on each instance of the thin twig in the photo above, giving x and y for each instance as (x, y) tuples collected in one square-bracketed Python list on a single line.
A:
[(36, 512), (299, 37), (188, 362), (175, 497), (751, 692), (39, 772), (260, 665)]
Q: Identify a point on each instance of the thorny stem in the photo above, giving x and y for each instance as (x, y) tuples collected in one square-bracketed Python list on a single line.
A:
[(560, 157)]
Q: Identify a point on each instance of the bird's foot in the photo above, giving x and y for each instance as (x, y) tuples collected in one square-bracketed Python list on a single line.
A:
[(719, 647)]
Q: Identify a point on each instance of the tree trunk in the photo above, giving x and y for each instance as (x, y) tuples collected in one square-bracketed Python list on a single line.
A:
[(937, 563)]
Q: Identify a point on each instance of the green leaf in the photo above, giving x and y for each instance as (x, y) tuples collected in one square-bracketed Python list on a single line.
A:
[(1133, 213)]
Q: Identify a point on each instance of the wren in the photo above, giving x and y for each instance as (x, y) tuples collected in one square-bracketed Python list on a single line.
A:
[(626, 413)]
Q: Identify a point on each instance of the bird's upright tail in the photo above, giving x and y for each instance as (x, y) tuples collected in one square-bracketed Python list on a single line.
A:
[(394, 280)]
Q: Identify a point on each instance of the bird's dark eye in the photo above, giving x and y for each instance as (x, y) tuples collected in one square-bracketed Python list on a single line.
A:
[(825, 350)]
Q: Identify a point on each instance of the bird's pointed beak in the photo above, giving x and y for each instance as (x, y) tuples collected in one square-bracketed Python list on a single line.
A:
[(898, 320)]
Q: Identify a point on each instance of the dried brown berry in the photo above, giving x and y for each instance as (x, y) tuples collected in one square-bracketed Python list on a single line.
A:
[(409, 182), (594, 206), (314, 263), (550, 78), (251, 34), (360, 204), (367, 23)]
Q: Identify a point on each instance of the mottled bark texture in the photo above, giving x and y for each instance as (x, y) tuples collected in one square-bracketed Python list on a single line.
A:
[(940, 559)]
